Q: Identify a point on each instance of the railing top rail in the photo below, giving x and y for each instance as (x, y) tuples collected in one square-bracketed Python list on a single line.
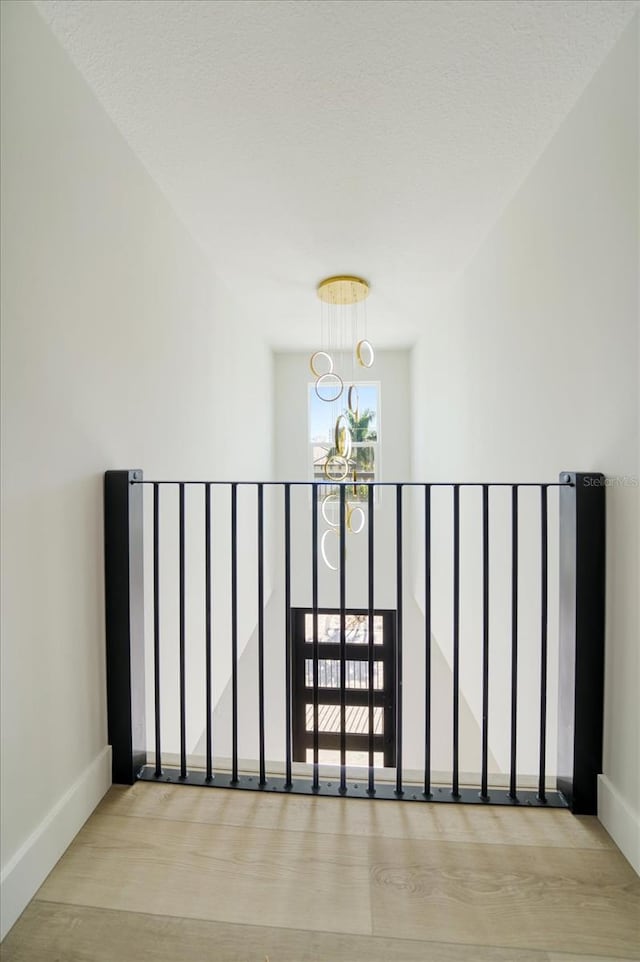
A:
[(372, 484)]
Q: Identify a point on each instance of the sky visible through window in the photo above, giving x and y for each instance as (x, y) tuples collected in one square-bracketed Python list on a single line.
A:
[(322, 418)]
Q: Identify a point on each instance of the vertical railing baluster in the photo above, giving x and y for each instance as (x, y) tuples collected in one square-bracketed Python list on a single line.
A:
[(371, 639), (287, 615), (455, 787), (427, 640), (156, 625), (399, 624), (484, 789), (234, 633), (514, 641), (124, 622), (261, 739), (581, 566), (314, 599), (544, 554), (183, 693), (343, 642), (207, 603)]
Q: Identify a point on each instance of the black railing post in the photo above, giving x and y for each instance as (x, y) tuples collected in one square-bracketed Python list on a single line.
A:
[(581, 655), (124, 610)]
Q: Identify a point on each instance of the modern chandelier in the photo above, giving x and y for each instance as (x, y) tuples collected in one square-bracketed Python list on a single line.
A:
[(344, 350)]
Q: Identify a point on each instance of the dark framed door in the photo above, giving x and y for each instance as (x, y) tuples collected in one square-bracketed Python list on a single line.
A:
[(357, 683)]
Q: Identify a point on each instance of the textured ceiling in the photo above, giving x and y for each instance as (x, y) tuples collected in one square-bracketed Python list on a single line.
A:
[(300, 138)]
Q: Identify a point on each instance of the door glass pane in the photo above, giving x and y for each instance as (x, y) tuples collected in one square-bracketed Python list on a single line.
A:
[(357, 674), (353, 759), (356, 719), (356, 629)]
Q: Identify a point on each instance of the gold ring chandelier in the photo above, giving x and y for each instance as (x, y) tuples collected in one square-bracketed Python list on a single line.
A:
[(345, 349)]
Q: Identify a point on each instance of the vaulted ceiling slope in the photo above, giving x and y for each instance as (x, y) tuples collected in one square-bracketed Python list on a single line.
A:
[(300, 138)]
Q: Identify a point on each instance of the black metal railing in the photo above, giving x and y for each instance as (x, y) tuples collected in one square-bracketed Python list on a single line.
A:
[(580, 592)]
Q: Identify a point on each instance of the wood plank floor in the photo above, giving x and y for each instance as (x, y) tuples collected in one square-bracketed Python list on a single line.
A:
[(176, 873)]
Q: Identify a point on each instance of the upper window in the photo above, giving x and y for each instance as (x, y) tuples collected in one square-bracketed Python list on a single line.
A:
[(365, 433)]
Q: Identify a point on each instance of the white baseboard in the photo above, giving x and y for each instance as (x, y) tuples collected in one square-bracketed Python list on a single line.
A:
[(620, 821), (26, 871)]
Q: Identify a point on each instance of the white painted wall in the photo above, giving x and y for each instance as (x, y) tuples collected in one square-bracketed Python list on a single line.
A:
[(119, 350), (530, 366)]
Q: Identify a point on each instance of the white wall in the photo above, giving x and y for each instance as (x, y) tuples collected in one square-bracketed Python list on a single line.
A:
[(120, 349), (530, 367)]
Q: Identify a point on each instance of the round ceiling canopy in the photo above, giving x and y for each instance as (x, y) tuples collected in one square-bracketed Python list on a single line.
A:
[(343, 289)]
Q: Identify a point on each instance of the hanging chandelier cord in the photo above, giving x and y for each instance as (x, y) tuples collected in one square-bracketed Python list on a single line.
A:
[(343, 331)]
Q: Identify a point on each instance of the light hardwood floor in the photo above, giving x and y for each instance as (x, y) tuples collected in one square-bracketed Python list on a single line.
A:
[(191, 875)]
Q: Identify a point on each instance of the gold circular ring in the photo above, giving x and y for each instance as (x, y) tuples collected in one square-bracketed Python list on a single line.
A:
[(333, 498), (358, 512), (343, 439), (338, 464), (332, 383), (323, 548), (365, 354), (353, 400), (313, 362)]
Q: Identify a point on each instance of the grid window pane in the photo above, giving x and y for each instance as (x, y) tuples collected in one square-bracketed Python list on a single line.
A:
[(356, 719), (353, 759), (356, 629), (357, 674)]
